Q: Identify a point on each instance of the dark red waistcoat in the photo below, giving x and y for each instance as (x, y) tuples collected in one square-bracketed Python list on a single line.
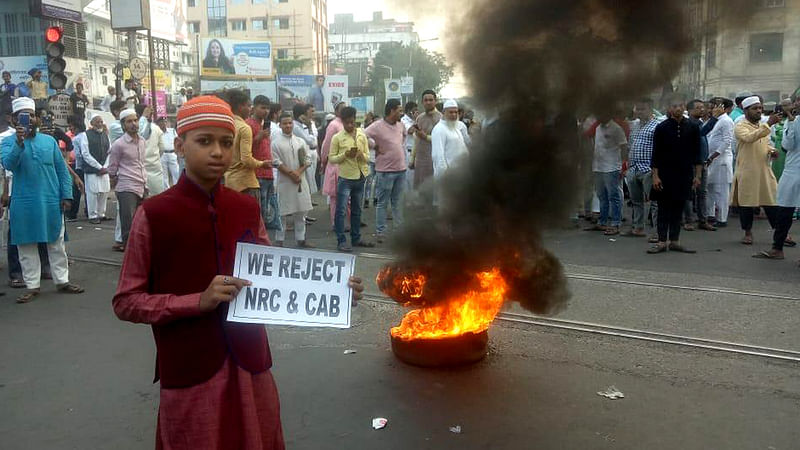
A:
[(194, 238)]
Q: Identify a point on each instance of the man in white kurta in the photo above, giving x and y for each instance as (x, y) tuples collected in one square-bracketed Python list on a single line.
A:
[(152, 161), (720, 167), (290, 156), (448, 146), (93, 146)]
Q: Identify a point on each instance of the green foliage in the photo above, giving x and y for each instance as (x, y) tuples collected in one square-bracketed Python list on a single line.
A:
[(429, 69), (290, 66)]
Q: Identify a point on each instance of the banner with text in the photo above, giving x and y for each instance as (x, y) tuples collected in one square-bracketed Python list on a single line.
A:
[(322, 91), (292, 287), (265, 88), (229, 58)]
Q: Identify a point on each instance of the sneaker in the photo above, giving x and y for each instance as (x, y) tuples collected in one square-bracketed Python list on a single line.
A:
[(343, 247), (95, 221)]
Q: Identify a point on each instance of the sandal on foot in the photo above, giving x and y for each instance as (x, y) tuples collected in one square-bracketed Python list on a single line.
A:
[(28, 296), (658, 248), (790, 243), (69, 288), (747, 240), (689, 227), (611, 231), (364, 244), (681, 249), (652, 240), (767, 255), (16, 284), (596, 228)]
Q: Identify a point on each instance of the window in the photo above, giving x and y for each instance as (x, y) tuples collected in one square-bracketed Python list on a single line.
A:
[(237, 2), (105, 79), (283, 53), (217, 27), (773, 3), (217, 18), (711, 54), (238, 25), (283, 23), (32, 45), (259, 24), (98, 36), (191, 3), (258, 2), (194, 27), (283, 1), (766, 47)]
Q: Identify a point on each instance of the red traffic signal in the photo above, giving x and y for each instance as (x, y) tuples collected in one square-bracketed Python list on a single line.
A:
[(53, 34)]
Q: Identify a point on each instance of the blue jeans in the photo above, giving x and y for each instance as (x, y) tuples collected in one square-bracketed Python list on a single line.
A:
[(369, 184), (268, 213), (390, 187), (352, 191), (606, 184)]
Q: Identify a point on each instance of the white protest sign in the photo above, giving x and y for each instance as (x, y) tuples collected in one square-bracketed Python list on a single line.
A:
[(292, 287)]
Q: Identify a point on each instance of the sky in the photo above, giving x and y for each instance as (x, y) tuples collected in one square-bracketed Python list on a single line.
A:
[(426, 28)]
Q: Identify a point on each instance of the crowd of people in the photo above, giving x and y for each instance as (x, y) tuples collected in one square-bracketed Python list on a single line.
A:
[(688, 168)]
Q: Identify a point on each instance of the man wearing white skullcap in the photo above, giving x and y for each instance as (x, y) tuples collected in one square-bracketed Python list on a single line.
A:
[(448, 143), (127, 172), (754, 184), (43, 191)]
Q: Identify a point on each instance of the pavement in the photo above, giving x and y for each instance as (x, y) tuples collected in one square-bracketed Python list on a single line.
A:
[(72, 376)]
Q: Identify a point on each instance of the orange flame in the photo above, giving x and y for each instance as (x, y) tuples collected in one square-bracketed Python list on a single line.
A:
[(471, 312)]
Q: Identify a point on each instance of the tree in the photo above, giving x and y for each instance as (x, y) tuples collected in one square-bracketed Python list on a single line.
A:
[(290, 66), (429, 69)]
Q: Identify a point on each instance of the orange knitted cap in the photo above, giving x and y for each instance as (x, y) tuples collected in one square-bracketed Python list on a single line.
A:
[(205, 111)]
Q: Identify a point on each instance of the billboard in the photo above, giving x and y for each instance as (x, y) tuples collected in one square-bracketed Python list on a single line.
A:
[(168, 20), (62, 9), (231, 58), (19, 66), (322, 91), (363, 105), (265, 88)]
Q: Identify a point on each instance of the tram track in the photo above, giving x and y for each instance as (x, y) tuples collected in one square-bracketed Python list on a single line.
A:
[(632, 333), (602, 329)]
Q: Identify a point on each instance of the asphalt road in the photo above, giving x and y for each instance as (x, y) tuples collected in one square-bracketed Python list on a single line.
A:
[(72, 376)]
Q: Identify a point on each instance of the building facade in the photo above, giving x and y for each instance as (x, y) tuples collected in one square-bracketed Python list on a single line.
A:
[(298, 29), (760, 53)]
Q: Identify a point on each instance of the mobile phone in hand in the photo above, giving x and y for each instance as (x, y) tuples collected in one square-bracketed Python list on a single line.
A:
[(24, 120)]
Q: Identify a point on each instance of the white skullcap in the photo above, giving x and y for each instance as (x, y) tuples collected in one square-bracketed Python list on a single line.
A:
[(23, 103), (450, 103), (126, 113), (750, 101)]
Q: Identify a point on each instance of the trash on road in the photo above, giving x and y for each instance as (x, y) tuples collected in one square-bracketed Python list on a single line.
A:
[(350, 352), (98, 229), (80, 228), (456, 429), (379, 422), (613, 240), (611, 392)]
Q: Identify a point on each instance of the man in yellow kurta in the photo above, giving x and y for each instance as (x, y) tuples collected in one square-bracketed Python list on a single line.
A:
[(241, 176), (754, 184)]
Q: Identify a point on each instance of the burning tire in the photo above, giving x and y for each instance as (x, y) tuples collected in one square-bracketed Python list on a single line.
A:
[(458, 350)]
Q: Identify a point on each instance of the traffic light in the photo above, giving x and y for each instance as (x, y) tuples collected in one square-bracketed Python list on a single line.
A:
[(55, 58)]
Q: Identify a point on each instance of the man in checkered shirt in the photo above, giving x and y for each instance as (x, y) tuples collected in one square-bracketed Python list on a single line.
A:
[(641, 150)]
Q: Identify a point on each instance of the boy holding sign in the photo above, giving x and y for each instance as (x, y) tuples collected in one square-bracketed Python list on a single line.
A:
[(217, 391)]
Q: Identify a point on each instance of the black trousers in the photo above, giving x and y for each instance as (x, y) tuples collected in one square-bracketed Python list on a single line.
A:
[(128, 202), (670, 212), (783, 222), (746, 216)]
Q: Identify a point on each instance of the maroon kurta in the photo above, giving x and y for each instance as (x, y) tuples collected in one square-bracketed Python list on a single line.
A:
[(234, 408)]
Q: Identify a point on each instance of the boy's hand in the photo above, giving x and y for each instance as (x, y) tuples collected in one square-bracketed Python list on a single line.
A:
[(222, 289), (357, 286)]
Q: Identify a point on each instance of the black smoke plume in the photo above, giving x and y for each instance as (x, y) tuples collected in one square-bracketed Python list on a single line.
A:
[(538, 64)]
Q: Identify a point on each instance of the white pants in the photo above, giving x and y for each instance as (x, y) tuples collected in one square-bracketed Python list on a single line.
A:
[(717, 201), (299, 227), (95, 201), (32, 265), (169, 163)]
